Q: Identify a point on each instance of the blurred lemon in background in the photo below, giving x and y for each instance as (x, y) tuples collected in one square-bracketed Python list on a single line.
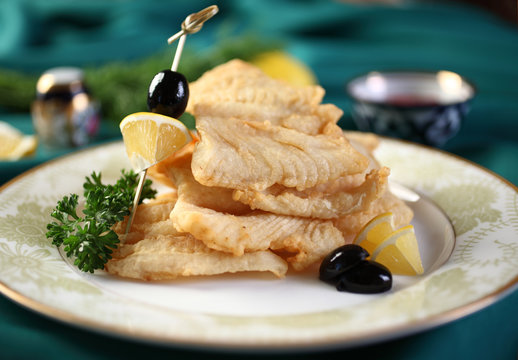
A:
[(282, 66), (14, 144)]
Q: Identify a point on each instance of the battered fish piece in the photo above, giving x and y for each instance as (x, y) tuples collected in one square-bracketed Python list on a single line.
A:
[(347, 194), (256, 131), (158, 172), (155, 250), (167, 257), (151, 219), (322, 203), (242, 90), (309, 239), (216, 198), (226, 225), (242, 155)]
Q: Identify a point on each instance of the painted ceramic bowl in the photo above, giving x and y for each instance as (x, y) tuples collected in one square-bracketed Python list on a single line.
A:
[(426, 107)]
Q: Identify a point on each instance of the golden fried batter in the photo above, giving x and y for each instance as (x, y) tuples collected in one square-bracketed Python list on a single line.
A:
[(241, 90), (241, 155), (256, 132), (240, 230), (317, 204), (166, 257), (155, 250)]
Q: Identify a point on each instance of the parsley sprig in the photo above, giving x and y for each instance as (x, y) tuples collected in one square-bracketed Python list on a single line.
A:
[(90, 238)]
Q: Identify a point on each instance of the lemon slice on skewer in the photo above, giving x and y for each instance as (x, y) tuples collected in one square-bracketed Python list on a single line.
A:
[(400, 252), (14, 144), (150, 138), (375, 231)]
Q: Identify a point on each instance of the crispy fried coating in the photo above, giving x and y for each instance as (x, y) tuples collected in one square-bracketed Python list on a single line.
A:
[(347, 194), (215, 198), (155, 250), (241, 90), (243, 230), (158, 172), (151, 219), (166, 257), (309, 239), (237, 154), (318, 203), (256, 132)]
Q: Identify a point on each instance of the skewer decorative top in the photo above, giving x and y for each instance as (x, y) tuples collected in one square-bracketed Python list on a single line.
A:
[(192, 24)]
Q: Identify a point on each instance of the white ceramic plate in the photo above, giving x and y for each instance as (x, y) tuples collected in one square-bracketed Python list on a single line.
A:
[(467, 267)]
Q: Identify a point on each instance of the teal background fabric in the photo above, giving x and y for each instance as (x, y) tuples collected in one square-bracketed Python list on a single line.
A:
[(338, 41)]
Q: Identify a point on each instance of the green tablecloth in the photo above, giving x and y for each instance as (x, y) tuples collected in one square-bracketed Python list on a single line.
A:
[(338, 41)]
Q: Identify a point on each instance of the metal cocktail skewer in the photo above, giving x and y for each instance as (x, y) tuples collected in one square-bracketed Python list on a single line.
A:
[(192, 24)]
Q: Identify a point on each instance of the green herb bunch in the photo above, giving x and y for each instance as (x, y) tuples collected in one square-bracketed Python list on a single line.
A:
[(121, 86), (90, 238)]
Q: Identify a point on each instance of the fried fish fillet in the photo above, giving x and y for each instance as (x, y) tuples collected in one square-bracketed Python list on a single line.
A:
[(238, 154), (347, 194), (240, 232), (317, 203), (256, 132), (157, 251), (242, 90), (216, 198), (151, 219), (166, 257), (308, 239), (158, 172)]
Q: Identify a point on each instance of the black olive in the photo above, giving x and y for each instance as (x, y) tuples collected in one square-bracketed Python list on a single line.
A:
[(366, 277), (340, 260), (168, 94)]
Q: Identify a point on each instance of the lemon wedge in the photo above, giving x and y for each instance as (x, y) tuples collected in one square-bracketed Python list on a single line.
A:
[(375, 231), (282, 66), (399, 252), (14, 144), (150, 138)]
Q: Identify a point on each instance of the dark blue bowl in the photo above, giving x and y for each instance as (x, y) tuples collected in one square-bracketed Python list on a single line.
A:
[(425, 107)]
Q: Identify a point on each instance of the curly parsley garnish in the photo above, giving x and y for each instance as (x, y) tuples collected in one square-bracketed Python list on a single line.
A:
[(90, 238)]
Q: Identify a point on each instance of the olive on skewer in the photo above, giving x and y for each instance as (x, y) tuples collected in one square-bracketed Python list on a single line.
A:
[(168, 94)]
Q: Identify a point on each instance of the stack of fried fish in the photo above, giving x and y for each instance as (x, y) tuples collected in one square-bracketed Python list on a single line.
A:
[(271, 183)]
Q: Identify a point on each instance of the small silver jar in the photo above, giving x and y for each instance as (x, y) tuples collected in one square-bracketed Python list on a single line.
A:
[(64, 113)]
